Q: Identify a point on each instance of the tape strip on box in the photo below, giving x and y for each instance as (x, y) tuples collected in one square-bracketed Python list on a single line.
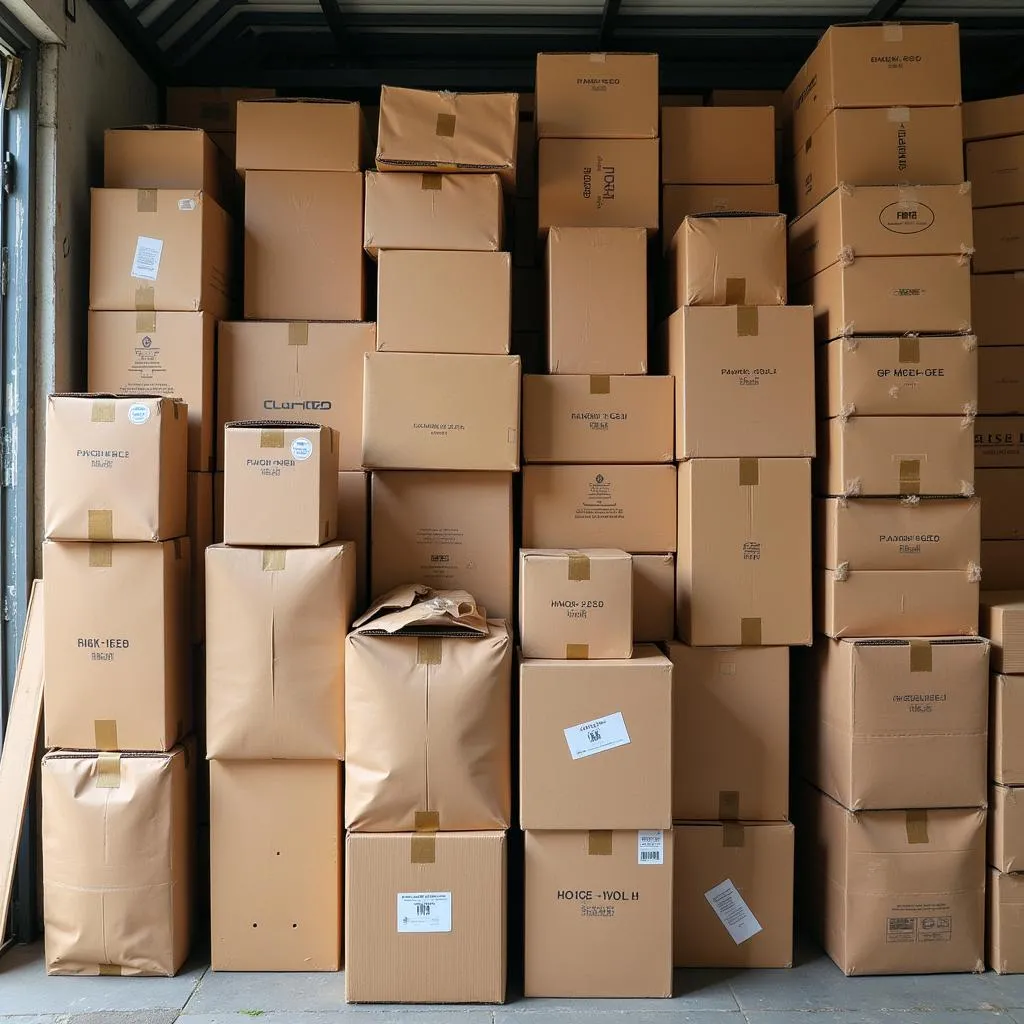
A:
[(108, 770), (100, 524), (271, 438), (274, 560), (101, 556), (599, 843), (105, 733), (917, 827), (733, 835), (428, 650), (145, 322), (579, 567), (728, 804), (102, 411), (600, 384), (920, 656), (750, 632), (577, 652), (145, 200), (736, 292), (298, 333)]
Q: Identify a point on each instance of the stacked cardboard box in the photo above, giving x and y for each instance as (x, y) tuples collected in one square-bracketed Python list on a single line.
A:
[(212, 108)]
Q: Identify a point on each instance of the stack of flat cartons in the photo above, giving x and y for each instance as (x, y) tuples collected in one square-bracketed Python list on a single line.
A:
[(118, 792)]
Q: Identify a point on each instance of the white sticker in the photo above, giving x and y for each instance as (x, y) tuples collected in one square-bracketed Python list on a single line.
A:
[(600, 734), (138, 413), (733, 912), (424, 912), (650, 847), (186, 205), (302, 448), (146, 264)]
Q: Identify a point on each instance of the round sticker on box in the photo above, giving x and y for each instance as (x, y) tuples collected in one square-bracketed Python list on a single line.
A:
[(138, 413), (302, 448)]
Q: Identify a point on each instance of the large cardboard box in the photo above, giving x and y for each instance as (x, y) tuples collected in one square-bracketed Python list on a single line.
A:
[(597, 300), (304, 245), (897, 723), (1006, 827), (427, 411), (117, 631), (117, 842), (995, 168), (275, 865), (433, 211), (437, 301), (115, 468), (899, 891), (275, 651), (654, 598), (596, 742), (998, 239), (681, 201), (354, 526), (597, 183), (744, 381), (426, 928), (747, 98), (730, 733), (1001, 380), (733, 894), (879, 146), (999, 442), (597, 418), (213, 108), (597, 95), (299, 135), (1002, 564), (598, 914), (627, 507), (295, 371), (450, 531), (1001, 492), (200, 537), (1006, 763), (280, 483), (997, 306), (718, 145), (988, 119), (1002, 621), (743, 568), (1005, 922), (167, 249)]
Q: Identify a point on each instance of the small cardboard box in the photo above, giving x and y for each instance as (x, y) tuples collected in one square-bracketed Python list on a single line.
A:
[(995, 169), (1001, 492), (718, 145), (354, 526), (681, 201), (1006, 827), (212, 108), (1002, 564), (997, 306), (1006, 763), (654, 598), (1005, 922), (998, 240), (999, 442), (1001, 380), (1002, 621), (299, 135), (989, 119)]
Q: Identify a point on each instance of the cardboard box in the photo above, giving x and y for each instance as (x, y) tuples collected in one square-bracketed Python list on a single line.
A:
[(997, 305), (897, 723), (730, 733), (596, 742), (722, 870), (354, 526), (883, 456), (438, 301), (1002, 564), (213, 108), (597, 418), (280, 486), (995, 168), (597, 183), (680, 201), (468, 132), (1001, 492), (115, 468), (1005, 922), (275, 862), (1006, 827), (427, 411), (428, 742), (718, 145), (1001, 379), (881, 220), (747, 98), (301, 371), (597, 300), (575, 604), (879, 146), (299, 135), (744, 380), (117, 839), (200, 537), (433, 211), (167, 249), (900, 891), (1002, 621), (654, 598), (998, 239), (988, 119), (610, 934), (597, 95), (729, 260), (421, 930), (935, 375), (275, 651), (1006, 763), (303, 245), (999, 442), (627, 507), (450, 531), (117, 632), (879, 65), (168, 354), (743, 568)]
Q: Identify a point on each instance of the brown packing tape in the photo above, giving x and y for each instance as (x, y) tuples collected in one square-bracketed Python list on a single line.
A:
[(427, 821), (577, 652), (102, 411), (897, 115), (145, 297), (271, 438), (917, 827), (431, 183), (910, 476), (101, 556), (750, 473), (600, 384), (736, 291), (145, 200), (109, 970), (892, 32), (733, 835), (428, 650), (746, 322), (105, 733), (274, 560), (920, 656), (445, 128), (579, 567), (728, 804), (298, 333), (422, 849), (101, 524), (910, 350), (750, 632), (599, 843), (108, 770), (145, 322)]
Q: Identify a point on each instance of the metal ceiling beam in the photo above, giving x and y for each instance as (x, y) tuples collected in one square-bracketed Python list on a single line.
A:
[(884, 10), (219, 12), (336, 23), (118, 17), (608, 16), (166, 19)]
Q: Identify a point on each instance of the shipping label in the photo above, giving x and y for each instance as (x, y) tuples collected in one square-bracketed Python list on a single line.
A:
[(422, 912), (732, 910), (595, 736), (650, 846)]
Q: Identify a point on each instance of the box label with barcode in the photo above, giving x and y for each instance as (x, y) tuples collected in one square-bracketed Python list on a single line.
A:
[(650, 846), (596, 735), (424, 912)]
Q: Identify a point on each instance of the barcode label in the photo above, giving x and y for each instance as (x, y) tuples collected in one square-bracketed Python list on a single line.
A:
[(424, 912), (733, 912), (600, 734), (146, 264), (650, 847)]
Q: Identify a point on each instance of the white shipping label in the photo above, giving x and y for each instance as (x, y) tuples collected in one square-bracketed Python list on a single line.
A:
[(138, 413), (733, 912), (424, 912), (302, 448), (146, 264), (650, 847), (600, 734)]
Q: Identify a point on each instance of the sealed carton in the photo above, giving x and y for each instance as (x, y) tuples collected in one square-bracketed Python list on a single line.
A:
[(730, 733), (1002, 621), (747, 98), (167, 249), (596, 742), (115, 468), (598, 913), (999, 240), (575, 604), (597, 300), (212, 108), (1006, 764), (1001, 492), (897, 723), (1006, 827), (989, 119), (354, 526), (275, 865), (733, 894), (1005, 922), (299, 370), (654, 598), (425, 917), (627, 507), (1001, 380), (995, 168), (597, 183), (999, 442), (744, 380), (743, 567), (437, 301), (597, 418), (433, 211), (303, 245), (117, 844), (1002, 564), (997, 306), (299, 135), (280, 483), (200, 537), (718, 145), (597, 95), (681, 201)]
